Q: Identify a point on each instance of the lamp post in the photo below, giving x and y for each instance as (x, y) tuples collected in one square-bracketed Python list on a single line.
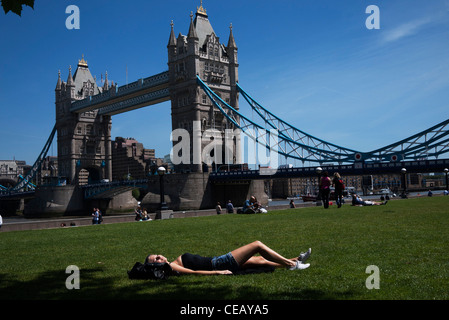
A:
[(163, 212), (404, 183), (161, 173), (318, 199), (446, 170)]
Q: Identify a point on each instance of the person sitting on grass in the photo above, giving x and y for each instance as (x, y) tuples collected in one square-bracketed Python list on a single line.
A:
[(250, 205), (239, 259), (358, 201)]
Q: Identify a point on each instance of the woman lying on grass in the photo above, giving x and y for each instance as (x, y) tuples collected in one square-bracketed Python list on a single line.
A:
[(358, 201), (238, 259)]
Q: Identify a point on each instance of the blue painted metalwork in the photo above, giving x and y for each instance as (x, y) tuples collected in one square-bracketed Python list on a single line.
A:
[(418, 146), (429, 143), (24, 181), (296, 144), (130, 96), (329, 152), (31, 185), (107, 189), (135, 102), (254, 131), (358, 168), (284, 144)]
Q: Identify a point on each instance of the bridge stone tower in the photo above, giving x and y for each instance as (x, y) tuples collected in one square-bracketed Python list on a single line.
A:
[(84, 139), (201, 53)]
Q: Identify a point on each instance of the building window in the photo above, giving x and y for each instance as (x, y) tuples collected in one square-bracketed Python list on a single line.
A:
[(90, 148), (89, 130)]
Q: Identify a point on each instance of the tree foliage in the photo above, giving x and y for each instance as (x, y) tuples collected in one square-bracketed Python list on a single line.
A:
[(16, 6)]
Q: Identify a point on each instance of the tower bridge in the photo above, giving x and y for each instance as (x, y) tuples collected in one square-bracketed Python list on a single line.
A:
[(203, 86), (84, 110)]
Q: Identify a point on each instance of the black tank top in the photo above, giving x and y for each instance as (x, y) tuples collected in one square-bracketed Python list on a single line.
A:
[(196, 262)]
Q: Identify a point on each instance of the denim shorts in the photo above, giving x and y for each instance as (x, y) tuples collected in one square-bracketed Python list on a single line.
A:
[(225, 262)]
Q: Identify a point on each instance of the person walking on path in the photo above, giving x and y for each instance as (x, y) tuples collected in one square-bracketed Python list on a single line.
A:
[(96, 216), (339, 186), (325, 185)]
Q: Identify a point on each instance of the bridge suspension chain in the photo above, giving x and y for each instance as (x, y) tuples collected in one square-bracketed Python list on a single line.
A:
[(296, 144), (432, 142), (281, 138), (24, 181)]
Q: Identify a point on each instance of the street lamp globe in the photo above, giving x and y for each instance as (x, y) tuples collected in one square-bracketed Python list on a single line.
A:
[(161, 171)]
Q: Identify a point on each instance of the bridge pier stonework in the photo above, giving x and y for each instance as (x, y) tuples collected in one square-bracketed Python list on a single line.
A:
[(193, 191), (70, 200), (60, 200), (188, 191)]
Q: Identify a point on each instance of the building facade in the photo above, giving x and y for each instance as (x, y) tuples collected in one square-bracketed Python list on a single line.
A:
[(84, 139), (201, 53), (10, 172), (130, 160)]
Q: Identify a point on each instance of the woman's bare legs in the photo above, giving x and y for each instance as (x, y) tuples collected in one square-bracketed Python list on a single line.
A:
[(244, 256), (259, 261)]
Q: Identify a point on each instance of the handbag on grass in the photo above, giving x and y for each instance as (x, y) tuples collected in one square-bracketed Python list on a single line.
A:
[(144, 271)]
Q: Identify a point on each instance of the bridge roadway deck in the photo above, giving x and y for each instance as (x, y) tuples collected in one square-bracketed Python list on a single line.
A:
[(360, 168), (141, 93), (20, 224)]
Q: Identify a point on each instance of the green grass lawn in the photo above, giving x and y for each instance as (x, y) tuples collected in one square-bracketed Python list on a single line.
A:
[(406, 239)]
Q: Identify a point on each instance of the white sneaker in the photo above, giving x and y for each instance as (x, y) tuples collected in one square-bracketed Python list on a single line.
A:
[(305, 255), (299, 266)]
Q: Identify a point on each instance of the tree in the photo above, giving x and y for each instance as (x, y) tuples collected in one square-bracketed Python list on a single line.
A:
[(16, 5)]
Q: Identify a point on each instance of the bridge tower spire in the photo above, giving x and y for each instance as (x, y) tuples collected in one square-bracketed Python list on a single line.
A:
[(201, 53), (84, 139)]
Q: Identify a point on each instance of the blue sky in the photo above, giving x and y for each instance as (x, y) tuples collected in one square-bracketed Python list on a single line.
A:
[(312, 63)]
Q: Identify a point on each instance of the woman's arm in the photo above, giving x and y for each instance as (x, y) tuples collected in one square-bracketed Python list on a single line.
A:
[(181, 269)]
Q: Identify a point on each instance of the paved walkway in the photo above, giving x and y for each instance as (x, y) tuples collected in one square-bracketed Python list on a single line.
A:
[(20, 223)]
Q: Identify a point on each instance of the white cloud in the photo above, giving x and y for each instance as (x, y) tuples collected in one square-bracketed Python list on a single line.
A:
[(405, 30)]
